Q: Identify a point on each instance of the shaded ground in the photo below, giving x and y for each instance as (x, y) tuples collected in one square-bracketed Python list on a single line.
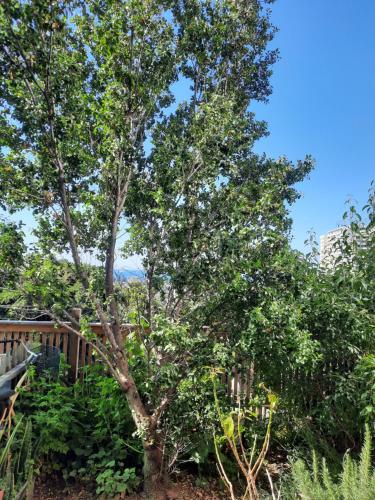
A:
[(183, 489)]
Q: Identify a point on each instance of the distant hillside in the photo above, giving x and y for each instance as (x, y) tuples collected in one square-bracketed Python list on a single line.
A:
[(129, 274)]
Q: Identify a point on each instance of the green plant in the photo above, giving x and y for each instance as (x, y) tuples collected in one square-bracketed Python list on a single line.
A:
[(104, 148), (51, 406), (17, 460), (232, 424), (111, 482), (356, 481), (12, 252), (364, 374), (81, 428)]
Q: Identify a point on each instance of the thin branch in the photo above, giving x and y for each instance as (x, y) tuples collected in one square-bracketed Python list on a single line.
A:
[(155, 418), (100, 350), (222, 472)]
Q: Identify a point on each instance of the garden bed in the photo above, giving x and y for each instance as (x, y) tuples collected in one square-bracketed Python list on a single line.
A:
[(183, 489)]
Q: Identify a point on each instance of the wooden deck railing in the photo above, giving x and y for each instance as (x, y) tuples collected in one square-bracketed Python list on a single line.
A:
[(78, 353)]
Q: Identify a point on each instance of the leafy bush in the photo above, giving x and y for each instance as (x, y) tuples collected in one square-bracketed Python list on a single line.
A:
[(85, 430), (365, 377), (111, 482), (52, 408), (357, 479)]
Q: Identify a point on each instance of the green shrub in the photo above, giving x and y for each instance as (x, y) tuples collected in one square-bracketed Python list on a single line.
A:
[(111, 482), (364, 374), (85, 430), (356, 481)]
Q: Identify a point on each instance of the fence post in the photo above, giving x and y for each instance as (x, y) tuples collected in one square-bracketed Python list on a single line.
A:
[(73, 351)]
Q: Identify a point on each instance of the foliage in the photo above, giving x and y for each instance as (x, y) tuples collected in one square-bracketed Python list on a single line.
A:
[(305, 332), (52, 410), (12, 250), (357, 479), (364, 374), (94, 140), (17, 463), (111, 483), (47, 285), (233, 425), (85, 430)]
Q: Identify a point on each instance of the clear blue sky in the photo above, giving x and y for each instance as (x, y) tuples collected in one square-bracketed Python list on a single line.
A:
[(323, 103)]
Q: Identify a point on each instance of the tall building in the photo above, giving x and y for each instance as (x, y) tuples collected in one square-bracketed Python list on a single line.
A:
[(333, 244), (330, 249)]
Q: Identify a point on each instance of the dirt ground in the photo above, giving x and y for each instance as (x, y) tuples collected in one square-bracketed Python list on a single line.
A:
[(183, 489)]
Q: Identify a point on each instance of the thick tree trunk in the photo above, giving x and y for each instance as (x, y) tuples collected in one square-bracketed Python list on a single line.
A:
[(155, 481)]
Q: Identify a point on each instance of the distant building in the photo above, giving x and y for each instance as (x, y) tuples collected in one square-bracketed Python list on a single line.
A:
[(330, 249), (332, 244)]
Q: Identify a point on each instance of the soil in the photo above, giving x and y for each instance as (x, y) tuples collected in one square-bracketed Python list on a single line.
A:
[(55, 489), (184, 488)]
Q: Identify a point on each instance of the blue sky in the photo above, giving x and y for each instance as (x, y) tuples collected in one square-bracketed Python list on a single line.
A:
[(322, 104)]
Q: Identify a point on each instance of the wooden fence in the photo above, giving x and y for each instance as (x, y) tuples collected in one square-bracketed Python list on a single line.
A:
[(78, 353)]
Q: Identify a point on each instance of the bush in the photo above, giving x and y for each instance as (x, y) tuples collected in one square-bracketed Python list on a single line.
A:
[(111, 482), (357, 479), (85, 430)]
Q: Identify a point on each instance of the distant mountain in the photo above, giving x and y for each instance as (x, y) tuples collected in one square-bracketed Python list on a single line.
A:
[(129, 274)]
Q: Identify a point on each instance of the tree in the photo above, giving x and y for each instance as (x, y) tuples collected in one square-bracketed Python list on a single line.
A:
[(92, 141), (307, 330), (12, 250)]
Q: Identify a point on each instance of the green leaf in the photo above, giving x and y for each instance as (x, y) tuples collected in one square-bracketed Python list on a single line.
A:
[(228, 426)]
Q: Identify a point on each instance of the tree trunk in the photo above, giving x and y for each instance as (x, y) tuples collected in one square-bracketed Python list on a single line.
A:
[(155, 481)]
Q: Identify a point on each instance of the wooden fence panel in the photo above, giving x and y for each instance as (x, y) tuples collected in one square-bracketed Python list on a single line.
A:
[(77, 352), (2, 344), (65, 346), (89, 355), (239, 383)]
